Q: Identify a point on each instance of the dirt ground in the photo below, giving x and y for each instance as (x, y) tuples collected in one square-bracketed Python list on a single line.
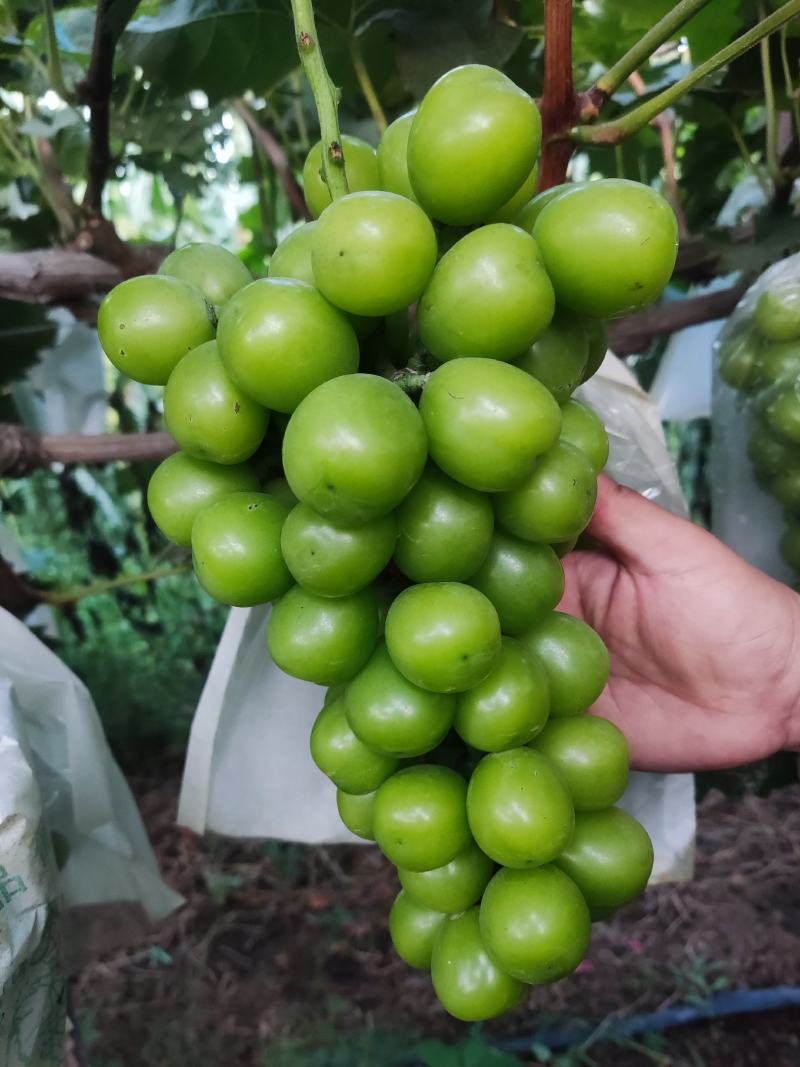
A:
[(282, 951)]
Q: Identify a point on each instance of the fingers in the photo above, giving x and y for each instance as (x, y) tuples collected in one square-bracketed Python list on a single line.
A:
[(643, 536)]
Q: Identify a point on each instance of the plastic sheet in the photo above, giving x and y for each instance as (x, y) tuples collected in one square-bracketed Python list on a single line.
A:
[(750, 371), (31, 982), (681, 389), (58, 777), (248, 770)]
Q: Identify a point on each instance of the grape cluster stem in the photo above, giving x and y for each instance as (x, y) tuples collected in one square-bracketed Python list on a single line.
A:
[(410, 381), (326, 96)]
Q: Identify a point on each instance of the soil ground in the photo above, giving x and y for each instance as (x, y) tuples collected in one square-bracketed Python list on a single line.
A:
[(281, 957)]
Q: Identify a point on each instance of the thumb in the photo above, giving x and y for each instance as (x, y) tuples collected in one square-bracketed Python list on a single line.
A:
[(643, 536)]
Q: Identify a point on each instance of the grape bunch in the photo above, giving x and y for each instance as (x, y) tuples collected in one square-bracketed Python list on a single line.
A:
[(379, 438), (763, 361)]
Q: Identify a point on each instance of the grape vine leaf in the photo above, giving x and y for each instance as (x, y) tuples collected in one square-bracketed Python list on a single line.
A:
[(186, 43), (190, 44), (606, 29), (430, 40), (712, 28), (26, 329)]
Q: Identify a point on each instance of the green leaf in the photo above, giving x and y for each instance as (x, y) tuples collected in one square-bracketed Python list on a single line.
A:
[(473, 1052), (71, 146), (712, 28), (605, 30), (431, 42), (119, 14), (437, 1054), (220, 46), (25, 329)]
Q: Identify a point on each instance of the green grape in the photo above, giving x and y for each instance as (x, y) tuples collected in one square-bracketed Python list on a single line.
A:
[(454, 887), (592, 755), (360, 168), (355, 811), (610, 859), (182, 486), (519, 810), (413, 929), (740, 361), (473, 142), (558, 357), (444, 530), (372, 253), (334, 560), (236, 548), (777, 313), (555, 502), (391, 714), (279, 339), (523, 580), (326, 640), (575, 659), (354, 448), (581, 427), (443, 636), (420, 817), (467, 982), (487, 422), (215, 271), (530, 212), (769, 454), (146, 325), (609, 246), (509, 707), (514, 205), (393, 156), (292, 257), (350, 765), (780, 361), (489, 297), (535, 924), (207, 414)]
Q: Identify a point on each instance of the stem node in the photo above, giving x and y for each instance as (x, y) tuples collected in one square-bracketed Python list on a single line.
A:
[(326, 96), (633, 121), (663, 31)]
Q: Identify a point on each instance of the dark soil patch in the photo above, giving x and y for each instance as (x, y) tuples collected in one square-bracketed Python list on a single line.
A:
[(283, 947)]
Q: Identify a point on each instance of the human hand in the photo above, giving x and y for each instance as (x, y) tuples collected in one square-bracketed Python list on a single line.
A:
[(705, 649)]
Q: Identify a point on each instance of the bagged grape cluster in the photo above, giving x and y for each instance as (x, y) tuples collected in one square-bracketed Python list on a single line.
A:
[(759, 356), (379, 438)]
